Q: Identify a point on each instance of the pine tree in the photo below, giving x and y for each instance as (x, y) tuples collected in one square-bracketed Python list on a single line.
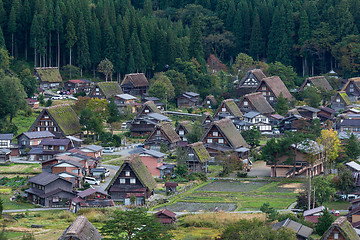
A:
[(58, 22), (13, 21), (196, 47), (94, 42), (71, 37), (2, 14), (238, 30), (83, 56), (256, 41), (281, 106), (26, 24), (276, 35), (230, 15), (2, 39), (148, 8)]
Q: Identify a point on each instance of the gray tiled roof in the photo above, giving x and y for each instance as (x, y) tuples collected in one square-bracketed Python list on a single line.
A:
[(55, 142), (251, 114), (44, 178), (6, 136), (40, 134), (93, 147)]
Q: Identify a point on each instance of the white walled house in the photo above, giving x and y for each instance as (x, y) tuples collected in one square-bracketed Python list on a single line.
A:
[(258, 120)]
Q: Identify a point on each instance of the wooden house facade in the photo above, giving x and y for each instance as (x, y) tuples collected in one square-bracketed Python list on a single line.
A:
[(105, 90), (255, 102), (228, 109), (271, 88), (188, 100), (60, 120), (209, 102), (340, 229), (340, 101), (78, 85), (183, 129), (163, 133), (250, 82), (135, 84), (352, 88), (48, 77), (132, 179), (197, 158)]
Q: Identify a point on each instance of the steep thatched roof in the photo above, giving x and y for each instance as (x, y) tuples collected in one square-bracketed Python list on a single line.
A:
[(66, 118), (50, 74), (231, 133), (152, 106), (345, 228), (200, 151), (136, 79), (318, 82), (343, 96), (168, 131), (140, 170), (355, 81), (110, 89), (259, 102), (187, 125), (233, 108), (204, 116), (277, 86), (81, 229), (210, 98)]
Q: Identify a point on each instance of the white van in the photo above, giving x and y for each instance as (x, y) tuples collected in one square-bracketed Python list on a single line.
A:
[(91, 181)]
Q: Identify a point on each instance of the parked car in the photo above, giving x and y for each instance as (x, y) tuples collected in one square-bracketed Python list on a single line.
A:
[(108, 150), (91, 181), (276, 131), (123, 126), (57, 98)]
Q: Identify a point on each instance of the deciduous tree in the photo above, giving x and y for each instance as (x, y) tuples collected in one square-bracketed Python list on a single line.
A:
[(330, 141), (107, 68)]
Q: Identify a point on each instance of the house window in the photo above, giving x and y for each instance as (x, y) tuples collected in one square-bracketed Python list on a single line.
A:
[(246, 103), (158, 132), (337, 100), (146, 110), (54, 129), (264, 93), (263, 88), (75, 171), (221, 140), (271, 98), (215, 134), (209, 140), (336, 236), (308, 84), (132, 180), (23, 143), (122, 180), (223, 109), (207, 102), (127, 173), (97, 89), (181, 132), (61, 147), (46, 117), (207, 121), (191, 156)]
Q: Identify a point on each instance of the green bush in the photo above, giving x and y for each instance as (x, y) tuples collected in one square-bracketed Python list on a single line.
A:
[(241, 174)]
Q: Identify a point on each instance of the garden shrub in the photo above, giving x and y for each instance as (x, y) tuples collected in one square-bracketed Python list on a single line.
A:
[(241, 174), (68, 216)]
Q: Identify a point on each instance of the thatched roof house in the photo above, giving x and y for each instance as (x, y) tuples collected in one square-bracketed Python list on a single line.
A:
[(81, 229)]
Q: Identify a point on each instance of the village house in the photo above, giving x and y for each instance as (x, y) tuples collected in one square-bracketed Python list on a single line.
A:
[(48, 148), (33, 103), (132, 179), (187, 100), (308, 112), (291, 123), (353, 216), (352, 88), (105, 90), (5, 155), (242, 125), (156, 101), (271, 88), (49, 190), (183, 129), (259, 121), (255, 102), (166, 216), (340, 101), (81, 229), (340, 229), (6, 144), (93, 151), (355, 171), (302, 232), (126, 101), (325, 114), (154, 161), (170, 187), (250, 82), (90, 198), (349, 125), (319, 82), (222, 136), (284, 166), (60, 120), (28, 140), (72, 171), (146, 120), (197, 158), (77, 86), (48, 77), (163, 134), (275, 119), (228, 109), (209, 102), (206, 119), (135, 84), (312, 215)]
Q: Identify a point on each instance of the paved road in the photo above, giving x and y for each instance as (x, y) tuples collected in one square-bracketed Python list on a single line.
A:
[(113, 170), (21, 160), (259, 169)]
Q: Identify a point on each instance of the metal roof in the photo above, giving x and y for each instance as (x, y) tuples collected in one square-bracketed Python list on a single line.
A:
[(126, 96), (39, 134), (6, 136), (55, 142), (153, 153), (313, 211), (251, 114), (353, 165), (158, 116)]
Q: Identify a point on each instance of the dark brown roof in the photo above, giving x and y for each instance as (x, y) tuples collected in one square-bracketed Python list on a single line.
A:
[(344, 227), (258, 73), (319, 82), (277, 86), (259, 102), (171, 184), (140, 170), (200, 151), (137, 79), (166, 212), (231, 133), (45, 178), (81, 229), (90, 191)]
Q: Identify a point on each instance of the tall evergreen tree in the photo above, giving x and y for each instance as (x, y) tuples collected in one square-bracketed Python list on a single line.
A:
[(196, 38), (83, 54), (2, 39), (276, 35), (256, 41), (71, 37), (58, 22), (13, 21)]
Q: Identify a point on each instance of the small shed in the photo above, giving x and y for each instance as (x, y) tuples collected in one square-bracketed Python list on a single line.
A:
[(81, 229), (166, 216), (170, 187)]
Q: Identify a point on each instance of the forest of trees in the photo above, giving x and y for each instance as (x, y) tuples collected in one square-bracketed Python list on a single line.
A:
[(148, 36)]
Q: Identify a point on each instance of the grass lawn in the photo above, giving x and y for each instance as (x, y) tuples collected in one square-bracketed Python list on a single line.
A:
[(109, 157), (213, 170), (338, 205), (22, 122), (195, 233), (20, 168)]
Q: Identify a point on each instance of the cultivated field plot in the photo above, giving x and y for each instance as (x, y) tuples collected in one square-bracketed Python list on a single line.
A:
[(239, 196)]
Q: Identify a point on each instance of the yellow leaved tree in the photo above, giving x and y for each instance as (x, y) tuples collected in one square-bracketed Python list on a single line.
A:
[(330, 141)]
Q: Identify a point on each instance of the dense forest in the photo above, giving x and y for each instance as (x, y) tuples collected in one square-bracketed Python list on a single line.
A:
[(150, 36)]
